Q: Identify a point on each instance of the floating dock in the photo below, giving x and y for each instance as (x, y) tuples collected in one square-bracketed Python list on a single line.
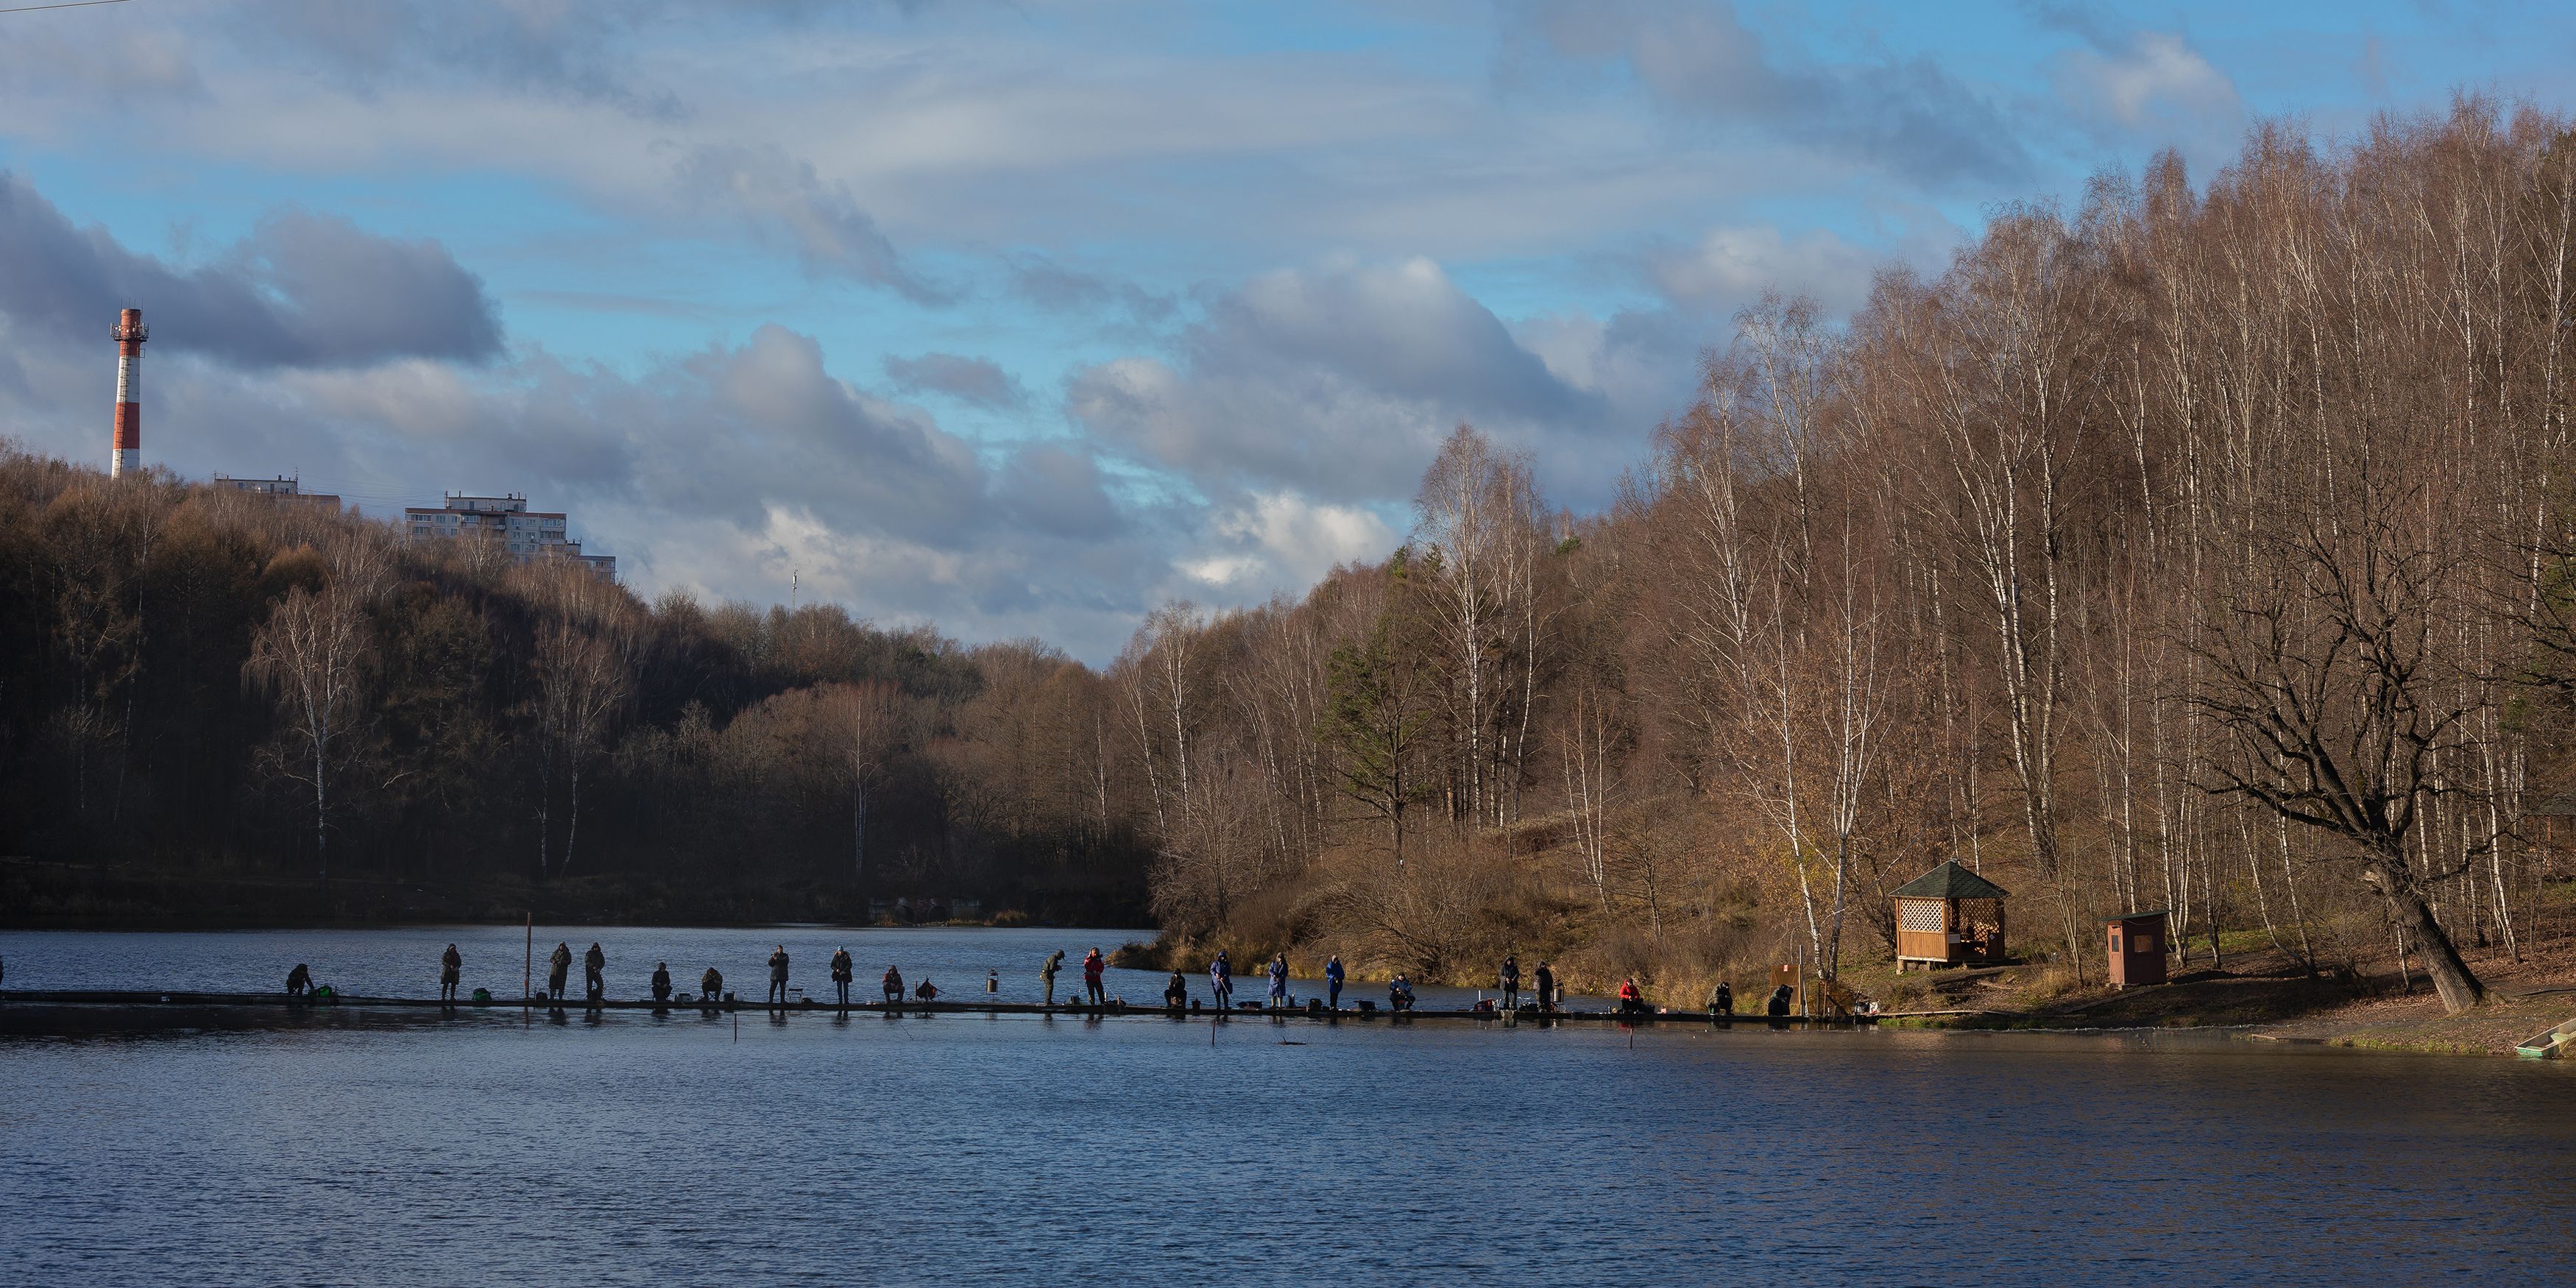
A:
[(141, 999)]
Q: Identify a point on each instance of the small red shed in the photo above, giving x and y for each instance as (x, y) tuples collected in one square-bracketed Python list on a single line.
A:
[(2137, 948)]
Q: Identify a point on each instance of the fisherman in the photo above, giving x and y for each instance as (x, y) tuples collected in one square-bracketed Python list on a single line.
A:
[(661, 981), (593, 983), (1333, 983), (1511, 982), (557, 965), (1779, 1006), (992, 982), (299, 981), (1399, 994), (1545, 978), (1631, 1000), (451, 968), (1278, 980), (1092, 965), (1054, 963), (778, 975), (1221, 980), (711, 986), (1721, 1001), (928, 992), (1176, 993), (893, 986), (842, 972)]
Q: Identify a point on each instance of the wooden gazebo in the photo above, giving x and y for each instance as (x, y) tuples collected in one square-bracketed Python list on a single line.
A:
[(1949, 916)]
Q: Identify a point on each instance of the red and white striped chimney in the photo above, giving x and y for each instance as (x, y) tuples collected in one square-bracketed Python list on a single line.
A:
[(130, 336)]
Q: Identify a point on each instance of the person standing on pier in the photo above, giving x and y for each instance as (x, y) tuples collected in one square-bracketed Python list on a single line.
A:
[(299, 981), (1545, 977), (1054, 963), (1511, 982), (1278, 980), (558, 964), (451, 968), (1092, 965), (1221, 980), (594, 978), (841, 975), (893, 987), (1333, 983), (778, 975), (661, 981)]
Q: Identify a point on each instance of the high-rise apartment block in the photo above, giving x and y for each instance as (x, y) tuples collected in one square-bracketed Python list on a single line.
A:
[(526, 534)]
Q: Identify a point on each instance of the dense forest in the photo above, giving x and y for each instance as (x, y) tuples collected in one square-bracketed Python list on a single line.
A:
[(229, 683), (2203, 547)]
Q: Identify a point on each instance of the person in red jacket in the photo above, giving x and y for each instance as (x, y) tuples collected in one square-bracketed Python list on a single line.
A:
[(1092, 965), (1631, 1000)]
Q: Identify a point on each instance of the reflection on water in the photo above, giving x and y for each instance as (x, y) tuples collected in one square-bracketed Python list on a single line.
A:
[(636, 1148)]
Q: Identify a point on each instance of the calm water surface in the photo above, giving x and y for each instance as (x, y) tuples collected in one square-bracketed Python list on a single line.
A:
[(385, 1147)]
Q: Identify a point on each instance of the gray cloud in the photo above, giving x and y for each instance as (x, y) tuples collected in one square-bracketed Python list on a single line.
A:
[(302, 290), (977, 382), (1906, 116), (568, 50), (1052, 286), (1057, 490), (784, 196)]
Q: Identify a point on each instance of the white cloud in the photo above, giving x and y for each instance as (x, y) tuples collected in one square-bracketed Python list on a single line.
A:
[(2150, 86), (1284, 540), (1337, 382), (1730, 267)]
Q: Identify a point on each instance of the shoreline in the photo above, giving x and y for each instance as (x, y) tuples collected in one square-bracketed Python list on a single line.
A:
[(40, 894)]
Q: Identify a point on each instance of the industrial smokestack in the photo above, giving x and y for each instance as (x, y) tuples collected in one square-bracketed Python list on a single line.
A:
[(130, 335)]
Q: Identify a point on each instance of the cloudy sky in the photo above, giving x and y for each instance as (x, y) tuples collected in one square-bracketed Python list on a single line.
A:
[(1022, 317)]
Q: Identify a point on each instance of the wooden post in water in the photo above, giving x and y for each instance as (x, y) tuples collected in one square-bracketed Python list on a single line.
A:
[(528, 963)]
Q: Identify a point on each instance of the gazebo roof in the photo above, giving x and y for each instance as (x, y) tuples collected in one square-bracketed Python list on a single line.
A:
[(1950, 881)]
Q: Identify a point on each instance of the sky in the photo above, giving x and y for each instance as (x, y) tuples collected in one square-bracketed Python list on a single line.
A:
[(1019, 319)]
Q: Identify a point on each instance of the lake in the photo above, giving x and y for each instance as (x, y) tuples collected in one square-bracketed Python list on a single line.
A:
[(391, 1147)]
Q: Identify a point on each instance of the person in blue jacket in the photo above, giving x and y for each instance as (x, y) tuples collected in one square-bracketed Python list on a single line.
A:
[(1333, 983), (1221, 980), (1278, 980)]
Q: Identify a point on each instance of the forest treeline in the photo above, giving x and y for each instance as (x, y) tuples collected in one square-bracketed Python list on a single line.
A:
[(2201, 548), (219, 682)]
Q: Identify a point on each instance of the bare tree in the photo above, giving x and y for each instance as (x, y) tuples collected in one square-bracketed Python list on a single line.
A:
[(871, 714), (310, 656), (582, 685), (2326, 672)]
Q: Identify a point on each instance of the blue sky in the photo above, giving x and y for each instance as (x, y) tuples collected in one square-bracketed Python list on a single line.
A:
[(1022, 318)]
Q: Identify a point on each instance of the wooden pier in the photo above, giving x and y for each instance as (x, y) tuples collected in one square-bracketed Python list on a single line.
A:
[(146, 999)]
